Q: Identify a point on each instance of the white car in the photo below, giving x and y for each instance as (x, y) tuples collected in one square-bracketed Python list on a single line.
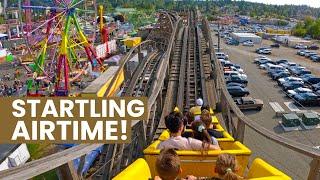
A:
[(221, 55), (259, 59), (290, 65), (263, 66), (293, 92), (301, 46), (240, 70), (265, 51), (281, 81), (236, 73), (261, 56), (248, 43)]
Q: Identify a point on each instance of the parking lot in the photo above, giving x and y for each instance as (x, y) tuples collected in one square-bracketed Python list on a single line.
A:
[(261, 86)]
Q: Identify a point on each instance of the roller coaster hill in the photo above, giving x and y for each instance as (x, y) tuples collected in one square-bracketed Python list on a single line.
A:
[(177, 65)]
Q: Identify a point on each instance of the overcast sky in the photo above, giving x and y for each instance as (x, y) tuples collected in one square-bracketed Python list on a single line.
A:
[(312, 3)]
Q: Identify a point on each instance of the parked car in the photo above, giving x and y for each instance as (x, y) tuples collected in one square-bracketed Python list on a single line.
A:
[(281, 81), (290, 65), (272, 68), (263, 61), (236, 79), (296, 69), (302, 53), (280, 75), (310, 54), (260, 48), (227, 74), (248, 43), (300, 46), (272, 73), (306, 53), (248, 103), (261, 57), (302, 72), (306, 76), (307, 99), (265, 51), (237, 66), (312, 80), (221, 55), (276, 45), (315, 58), (235, 84), (293, 92), (236, 91), (313, 47), (282, 61), (232, 42), (316, 87), (233, 68), (292, 85)]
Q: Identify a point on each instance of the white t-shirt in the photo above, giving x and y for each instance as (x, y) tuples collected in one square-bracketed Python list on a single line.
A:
[(181, 143)]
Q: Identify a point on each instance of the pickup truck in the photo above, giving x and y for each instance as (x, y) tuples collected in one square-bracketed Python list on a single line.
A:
[(249, 103)]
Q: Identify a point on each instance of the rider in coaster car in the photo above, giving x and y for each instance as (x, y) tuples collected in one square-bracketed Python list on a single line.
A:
[(206, 118), (196, 110), (226, 168), (175, 124)]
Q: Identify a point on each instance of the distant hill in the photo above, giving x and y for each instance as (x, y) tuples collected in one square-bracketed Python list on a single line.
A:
[(209, 7)]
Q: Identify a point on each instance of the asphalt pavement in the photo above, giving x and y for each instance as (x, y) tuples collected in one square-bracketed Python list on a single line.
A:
[(261, 86)]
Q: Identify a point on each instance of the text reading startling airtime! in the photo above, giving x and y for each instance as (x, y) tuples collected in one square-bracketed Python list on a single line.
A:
[(70, 120)]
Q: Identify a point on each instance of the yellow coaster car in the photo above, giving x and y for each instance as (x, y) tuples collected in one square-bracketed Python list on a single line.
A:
[(259, 170), (205, 161)]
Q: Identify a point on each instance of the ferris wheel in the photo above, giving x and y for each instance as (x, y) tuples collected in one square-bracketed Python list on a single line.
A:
[(59, 35)]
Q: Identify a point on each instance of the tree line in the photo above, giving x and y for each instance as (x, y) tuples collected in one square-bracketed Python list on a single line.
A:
[(309, 27)]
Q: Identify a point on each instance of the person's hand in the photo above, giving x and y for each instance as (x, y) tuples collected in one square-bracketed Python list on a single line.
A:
[(191, 177)]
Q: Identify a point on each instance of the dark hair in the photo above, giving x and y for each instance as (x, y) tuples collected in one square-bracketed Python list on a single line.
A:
[(188, 117), (226, 166), (207, 107), (200, 132), (168, 164), (173, 122)]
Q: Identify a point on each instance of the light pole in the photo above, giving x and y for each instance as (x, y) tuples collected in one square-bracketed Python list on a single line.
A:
[(218, 36)]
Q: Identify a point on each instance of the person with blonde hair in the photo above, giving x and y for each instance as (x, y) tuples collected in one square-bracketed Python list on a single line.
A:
[(226, 167), (206, 118)]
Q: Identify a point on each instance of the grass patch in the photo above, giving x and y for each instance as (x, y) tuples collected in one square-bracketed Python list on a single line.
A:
[(50, 175), (36, 152)]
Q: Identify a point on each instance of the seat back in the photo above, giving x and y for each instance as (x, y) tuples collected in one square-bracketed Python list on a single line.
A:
[(261, 170), (138, 169), (203, 161), (226, 136)]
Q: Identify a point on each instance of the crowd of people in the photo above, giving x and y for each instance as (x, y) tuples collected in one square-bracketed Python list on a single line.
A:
[(9, 89), (202, 138)]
